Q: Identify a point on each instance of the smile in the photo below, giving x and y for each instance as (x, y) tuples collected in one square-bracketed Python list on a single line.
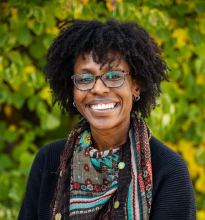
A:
[(103, 106)]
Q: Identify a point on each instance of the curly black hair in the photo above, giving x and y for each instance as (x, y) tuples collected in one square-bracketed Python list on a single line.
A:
[(128, 39)]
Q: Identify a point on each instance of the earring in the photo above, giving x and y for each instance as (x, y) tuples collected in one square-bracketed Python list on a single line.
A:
[(74, 104), (135, 99)]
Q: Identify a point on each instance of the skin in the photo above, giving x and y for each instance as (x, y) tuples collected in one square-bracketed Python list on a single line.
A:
[(109, 128)]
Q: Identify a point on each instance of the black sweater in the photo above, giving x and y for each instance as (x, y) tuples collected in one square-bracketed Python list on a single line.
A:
[(173, 195)]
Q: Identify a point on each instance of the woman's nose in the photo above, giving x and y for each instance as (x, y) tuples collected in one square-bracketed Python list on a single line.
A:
[(99, 87)]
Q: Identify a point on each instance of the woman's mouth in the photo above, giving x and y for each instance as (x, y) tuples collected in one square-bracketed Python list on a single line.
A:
[(103, 106)]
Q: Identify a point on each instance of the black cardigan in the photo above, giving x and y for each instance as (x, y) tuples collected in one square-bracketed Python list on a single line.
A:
[(173, 195)]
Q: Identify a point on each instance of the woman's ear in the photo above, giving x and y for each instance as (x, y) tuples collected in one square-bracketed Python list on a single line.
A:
[(136, 89)]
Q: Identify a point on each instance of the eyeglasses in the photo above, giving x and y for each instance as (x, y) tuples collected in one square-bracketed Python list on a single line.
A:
[(111, 79)]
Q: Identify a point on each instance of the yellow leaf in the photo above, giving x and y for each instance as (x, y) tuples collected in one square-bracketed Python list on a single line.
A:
[(29, 69), (14, 12), (85, 2), (30, 23), (54, 31), (1, 67), (191, 5), (8, 110), (178, 2), (200, 214), (173, 23), (111, 4), (5, 9), (78, 11), (200, 79), (194, 168), (181, 35), (171, 145), (180, 91), (200, 183), (2, 213), (184, 145), (159, 41), (185, 128), (44, 93), (12, 128)]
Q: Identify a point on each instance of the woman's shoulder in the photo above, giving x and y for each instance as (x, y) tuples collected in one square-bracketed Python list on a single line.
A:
[(54, 147), (48, 157), (163, 155), (167, 164), (173, 194)]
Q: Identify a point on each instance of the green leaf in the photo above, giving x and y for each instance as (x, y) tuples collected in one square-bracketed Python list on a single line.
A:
[(166, 118), (22, 35), (59, 13), (15, 3), (175, 74), (18, 100), (10, 136), (200, 50), (37, 50), (26, 90), (22, 15), (3, 39), (41, 109), (39, 132), (29, 136), (3, 96), (155, 2), (2, 126), (196, 38), (26, 160), (38, 28), (39, 14), (182, 8), (26, 124), (32, 102), (200, 156), (202, 26), (14, 194), (48, 40), (199, 8), (50, 122), (5, 162), (163, 33), (15, 57), (27, 10)]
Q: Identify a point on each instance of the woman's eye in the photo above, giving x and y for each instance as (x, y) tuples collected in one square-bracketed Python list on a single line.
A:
[(85, 80), (113, 77)]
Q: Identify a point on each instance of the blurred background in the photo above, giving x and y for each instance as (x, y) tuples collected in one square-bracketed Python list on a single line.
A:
[(27, 119)]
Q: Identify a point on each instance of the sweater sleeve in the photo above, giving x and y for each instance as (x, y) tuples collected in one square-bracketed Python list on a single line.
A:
[(173, 195), (29, 207)]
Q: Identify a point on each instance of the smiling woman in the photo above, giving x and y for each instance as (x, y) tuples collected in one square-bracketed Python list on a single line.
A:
[(110, 166)]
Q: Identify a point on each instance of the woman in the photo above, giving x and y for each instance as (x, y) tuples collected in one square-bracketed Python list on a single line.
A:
[(111, 166)]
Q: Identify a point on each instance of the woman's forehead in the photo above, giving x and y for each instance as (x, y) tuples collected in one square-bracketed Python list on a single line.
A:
[(112, 60)]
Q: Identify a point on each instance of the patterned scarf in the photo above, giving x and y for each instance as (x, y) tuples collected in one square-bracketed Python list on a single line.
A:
[(94, 175)]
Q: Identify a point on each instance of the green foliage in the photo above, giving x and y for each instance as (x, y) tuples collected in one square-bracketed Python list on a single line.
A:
[(27, 118)]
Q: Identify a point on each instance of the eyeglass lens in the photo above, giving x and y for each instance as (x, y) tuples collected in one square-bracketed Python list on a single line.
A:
[(111, 79)]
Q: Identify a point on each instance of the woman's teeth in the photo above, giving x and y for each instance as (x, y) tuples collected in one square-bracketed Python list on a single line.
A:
[(102, 106)]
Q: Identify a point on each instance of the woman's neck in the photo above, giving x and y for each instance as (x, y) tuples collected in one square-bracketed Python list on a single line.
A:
[(110, 139)]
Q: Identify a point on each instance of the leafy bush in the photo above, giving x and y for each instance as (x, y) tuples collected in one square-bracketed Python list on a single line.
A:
[(28, 120)]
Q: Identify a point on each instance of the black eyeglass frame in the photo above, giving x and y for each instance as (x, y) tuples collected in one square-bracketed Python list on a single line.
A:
[(96, 76)]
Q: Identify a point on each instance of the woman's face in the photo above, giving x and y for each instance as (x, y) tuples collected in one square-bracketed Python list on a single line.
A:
[(90, 103)]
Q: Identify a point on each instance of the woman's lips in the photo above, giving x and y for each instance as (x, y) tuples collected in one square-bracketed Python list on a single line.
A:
[(103, 106), (103, 109)]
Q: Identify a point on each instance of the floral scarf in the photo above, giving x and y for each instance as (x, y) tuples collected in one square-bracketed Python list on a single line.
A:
[(94, 175)]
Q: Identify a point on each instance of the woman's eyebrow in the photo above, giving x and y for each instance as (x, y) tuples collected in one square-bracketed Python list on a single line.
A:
[(85, 69), (106, 67)]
